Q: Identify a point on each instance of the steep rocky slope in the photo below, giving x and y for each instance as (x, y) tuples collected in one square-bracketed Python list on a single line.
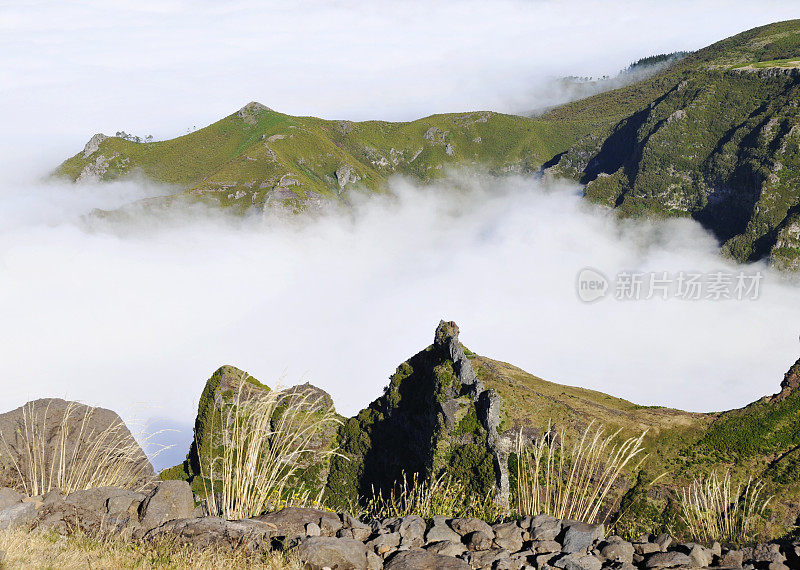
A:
[(714, 137)]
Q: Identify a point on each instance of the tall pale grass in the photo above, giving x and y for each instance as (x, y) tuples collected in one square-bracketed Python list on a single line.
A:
[(714, 511), (441, 495), (573, 478), (63, 451), (259, 442)]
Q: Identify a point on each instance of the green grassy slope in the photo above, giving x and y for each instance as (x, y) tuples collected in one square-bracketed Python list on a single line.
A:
[(714, 137), (761, 440), (257, 156)]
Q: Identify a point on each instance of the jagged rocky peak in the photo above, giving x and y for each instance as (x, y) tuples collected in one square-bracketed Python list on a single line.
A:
[(250, 112), (434, 418), (93, 145)]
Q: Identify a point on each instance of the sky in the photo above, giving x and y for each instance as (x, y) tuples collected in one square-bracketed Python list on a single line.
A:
[(137, 318)]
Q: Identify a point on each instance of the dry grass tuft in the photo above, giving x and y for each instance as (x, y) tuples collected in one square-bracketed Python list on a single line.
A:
[(439, 496), (67, 453), (266, 437), (712, 510), (32, 549), (572, 479)]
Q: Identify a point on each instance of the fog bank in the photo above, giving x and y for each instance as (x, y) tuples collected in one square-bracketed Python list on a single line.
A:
[(137, 320)]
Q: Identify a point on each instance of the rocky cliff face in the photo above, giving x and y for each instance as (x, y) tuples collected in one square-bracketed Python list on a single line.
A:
[(435, 416)]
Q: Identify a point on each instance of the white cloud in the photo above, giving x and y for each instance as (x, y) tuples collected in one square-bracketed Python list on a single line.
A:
[(146, 316)]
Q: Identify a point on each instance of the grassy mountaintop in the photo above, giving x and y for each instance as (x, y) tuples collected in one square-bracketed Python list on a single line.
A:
[(257, 156), (714, 136)]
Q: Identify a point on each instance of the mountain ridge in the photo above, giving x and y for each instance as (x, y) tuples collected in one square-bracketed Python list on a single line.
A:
[(714, 136)]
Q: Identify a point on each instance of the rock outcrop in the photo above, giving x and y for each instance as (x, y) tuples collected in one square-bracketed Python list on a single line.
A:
[(229, 387), (65, 435), (434, 417)]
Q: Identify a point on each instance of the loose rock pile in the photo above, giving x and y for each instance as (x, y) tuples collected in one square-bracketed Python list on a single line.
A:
[(339, 541)]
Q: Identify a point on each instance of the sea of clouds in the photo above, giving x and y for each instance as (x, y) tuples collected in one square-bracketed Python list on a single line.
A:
[(136, 317)]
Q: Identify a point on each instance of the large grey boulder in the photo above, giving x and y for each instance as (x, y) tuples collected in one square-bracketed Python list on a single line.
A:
[(72, 431), (578, 536), (424, 560), (412, 530), (615, 549), (204, 532), (508, 535), (17, 515), (318, 552), (440, 531), (478, 540), (467, 525), (9, 497), (169, 500), (544, 527)]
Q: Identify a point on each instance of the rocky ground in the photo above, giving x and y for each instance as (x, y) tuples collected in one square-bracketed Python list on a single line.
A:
[(323, 539)]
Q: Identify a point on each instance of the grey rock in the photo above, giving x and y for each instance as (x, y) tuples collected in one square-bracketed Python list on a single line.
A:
[(318, 552), (93, 145), (508, 535), (663, 541), (617, 550), (441, 532), (412, 530), (700, 555), (291, 522), (17, 515), (645, 548), (424, 560), (767, 553), (545, 546), (465, 526), (359, 530), (446, 548), (545, 527), (328, 526), (346, 175), (169, 500), (53, 496), (204, 532), (100, 499), (578, 561), (312, 529), (9, 497), (478, 540), (488, 558), (384, 543), (671, 559), (449, 149), (578, 537), (81, 426), (731, 558)]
